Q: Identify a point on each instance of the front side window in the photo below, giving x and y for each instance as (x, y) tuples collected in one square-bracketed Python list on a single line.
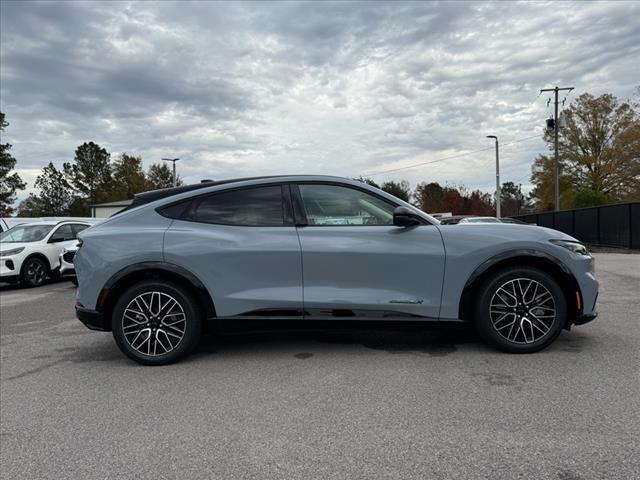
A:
[(63, 233), (261, 206), (336, 205), (25, 233)]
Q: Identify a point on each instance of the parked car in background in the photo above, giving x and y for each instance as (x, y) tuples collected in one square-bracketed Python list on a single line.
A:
[(453, 220), (479, 220), (319, 248), (513, 220), (67, 269), (9, 222), (30, 253)]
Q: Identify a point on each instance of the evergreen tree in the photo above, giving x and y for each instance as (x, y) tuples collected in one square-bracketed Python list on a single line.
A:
[(55, 192), (90, 175), (9, 182)]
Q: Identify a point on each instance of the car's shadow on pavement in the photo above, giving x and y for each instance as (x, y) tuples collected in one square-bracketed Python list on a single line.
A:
[(435, 340)]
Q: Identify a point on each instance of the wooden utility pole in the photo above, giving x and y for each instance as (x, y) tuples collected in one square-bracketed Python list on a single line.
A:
[(555, 129)]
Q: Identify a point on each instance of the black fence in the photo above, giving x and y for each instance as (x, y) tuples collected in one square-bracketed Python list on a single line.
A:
[(608, 225)]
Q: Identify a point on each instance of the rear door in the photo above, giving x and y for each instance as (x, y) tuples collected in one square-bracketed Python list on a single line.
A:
[(357, 264), (242, 244)]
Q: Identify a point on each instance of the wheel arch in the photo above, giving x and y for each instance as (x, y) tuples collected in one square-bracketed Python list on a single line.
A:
[(138, 272), (39, 255), (522, 258)]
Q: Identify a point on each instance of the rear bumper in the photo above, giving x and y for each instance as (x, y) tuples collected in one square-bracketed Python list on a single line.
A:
[(93, 320)]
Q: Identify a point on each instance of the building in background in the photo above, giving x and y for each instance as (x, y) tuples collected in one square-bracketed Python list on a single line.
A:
[(105, 210)]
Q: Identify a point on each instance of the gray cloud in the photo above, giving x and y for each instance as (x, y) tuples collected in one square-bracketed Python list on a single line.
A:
[(340, 88)]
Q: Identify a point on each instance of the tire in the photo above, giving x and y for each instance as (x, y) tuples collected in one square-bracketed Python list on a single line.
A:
[(152, 339), (34, 272), (74, 280), (516, 323)]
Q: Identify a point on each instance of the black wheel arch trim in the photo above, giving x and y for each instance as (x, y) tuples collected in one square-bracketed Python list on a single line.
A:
[(40, 256), (522, 252), (471, 283), (149, 268)]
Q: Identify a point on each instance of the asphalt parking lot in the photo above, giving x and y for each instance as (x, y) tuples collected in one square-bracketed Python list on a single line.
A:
[(433, 403)]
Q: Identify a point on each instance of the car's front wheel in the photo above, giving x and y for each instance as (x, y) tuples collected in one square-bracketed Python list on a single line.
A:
[(156, 322), (34, 272), (520, 310)]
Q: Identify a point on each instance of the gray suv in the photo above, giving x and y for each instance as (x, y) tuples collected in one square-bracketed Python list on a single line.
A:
[(319, 248)]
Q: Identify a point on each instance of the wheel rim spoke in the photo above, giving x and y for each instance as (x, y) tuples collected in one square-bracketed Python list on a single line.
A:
[(522, 311), (153, 323), (36, 272)]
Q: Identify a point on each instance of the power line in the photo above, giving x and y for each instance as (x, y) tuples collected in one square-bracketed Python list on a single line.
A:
[(371, 174)]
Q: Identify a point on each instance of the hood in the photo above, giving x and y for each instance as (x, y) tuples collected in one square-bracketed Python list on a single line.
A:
[(504, 231)]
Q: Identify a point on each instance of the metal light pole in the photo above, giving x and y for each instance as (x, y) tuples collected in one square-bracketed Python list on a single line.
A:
[(497, 176), (174, 160)]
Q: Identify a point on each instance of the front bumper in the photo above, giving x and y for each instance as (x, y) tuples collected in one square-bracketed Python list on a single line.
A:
[(93, 320), (582, 319), (66, 263), (9, 267)]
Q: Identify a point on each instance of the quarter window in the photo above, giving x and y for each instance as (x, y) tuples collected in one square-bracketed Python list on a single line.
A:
[(336, 205), (260, 206)]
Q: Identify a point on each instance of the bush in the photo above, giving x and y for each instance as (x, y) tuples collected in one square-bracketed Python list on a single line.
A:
[(587, 197)]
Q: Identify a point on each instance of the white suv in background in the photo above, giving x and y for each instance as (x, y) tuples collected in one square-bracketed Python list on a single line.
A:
[(30, 253)]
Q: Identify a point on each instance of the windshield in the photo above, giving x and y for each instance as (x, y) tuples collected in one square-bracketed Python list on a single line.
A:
[(25, 233)]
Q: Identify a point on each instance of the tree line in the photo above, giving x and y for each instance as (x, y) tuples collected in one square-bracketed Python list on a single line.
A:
[(89, 179), (434, 198), (599, 156)]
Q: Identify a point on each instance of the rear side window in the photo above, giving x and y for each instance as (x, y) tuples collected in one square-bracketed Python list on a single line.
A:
[(261, 206)]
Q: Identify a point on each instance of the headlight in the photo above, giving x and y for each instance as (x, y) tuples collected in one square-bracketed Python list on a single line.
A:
[(575, 247), (8, 253)]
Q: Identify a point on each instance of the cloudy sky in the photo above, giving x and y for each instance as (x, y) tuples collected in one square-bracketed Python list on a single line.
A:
[(238, 89)]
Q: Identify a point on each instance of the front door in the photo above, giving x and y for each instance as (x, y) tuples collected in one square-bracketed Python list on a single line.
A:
[(357, 264)]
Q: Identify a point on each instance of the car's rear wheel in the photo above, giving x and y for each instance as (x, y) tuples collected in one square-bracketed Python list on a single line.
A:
[(520, 310), (156, 322), (34, 272)]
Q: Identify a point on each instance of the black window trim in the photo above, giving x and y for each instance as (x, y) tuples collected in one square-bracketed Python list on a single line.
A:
[(300, 212), (287, 213)]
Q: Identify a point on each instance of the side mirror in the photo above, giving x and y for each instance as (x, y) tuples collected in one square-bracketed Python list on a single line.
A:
[(56, 239), (405, 217)]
